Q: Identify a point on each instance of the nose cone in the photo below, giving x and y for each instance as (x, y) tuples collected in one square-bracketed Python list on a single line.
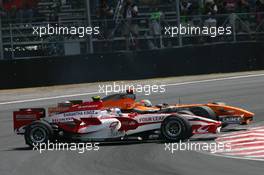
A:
[(249, 114), (247, 117)]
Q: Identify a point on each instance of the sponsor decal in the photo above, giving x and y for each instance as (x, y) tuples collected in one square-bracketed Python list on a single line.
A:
[(148, 119), (25, 117), (231, 119), (57, 120), (88, 106), (78, 113)]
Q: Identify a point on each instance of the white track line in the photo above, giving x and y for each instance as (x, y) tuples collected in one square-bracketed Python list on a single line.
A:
[(48, 98), (217, 79), (93, 93)]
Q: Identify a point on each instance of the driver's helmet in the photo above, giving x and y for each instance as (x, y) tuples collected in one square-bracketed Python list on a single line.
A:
[(116, 111), (146, 103), (96, 98)]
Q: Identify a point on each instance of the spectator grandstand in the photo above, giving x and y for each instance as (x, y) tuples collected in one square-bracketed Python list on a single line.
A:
[(18, 16)]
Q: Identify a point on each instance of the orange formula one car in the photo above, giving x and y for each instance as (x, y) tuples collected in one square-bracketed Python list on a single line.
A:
[(215, 110)]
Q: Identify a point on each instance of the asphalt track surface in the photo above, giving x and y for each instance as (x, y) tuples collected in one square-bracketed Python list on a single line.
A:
[(145, 158)]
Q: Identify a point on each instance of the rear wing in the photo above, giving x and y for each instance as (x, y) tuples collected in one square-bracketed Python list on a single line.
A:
[(24, 117)]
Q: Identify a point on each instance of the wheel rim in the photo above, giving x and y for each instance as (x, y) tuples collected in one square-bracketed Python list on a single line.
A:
[(173, 128), (38, 135)]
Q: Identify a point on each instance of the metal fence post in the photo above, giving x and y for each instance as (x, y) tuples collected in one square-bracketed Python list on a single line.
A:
[(12, 42), (89, 23), (160, 36), (1, 40), (233, 19), (178, 13)]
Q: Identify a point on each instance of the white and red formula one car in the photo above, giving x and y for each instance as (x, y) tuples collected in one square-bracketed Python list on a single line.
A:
[(88, 121)]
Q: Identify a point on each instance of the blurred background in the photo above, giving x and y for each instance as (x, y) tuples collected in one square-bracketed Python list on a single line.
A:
[(125, 25)]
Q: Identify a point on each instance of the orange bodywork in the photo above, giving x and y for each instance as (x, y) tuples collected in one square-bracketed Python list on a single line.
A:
[(123, 103), (222, 109), (127, 104)]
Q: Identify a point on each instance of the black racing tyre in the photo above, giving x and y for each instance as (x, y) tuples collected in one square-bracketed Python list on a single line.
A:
[(38, 132), (204, 111), (185, 112), (175, 128)]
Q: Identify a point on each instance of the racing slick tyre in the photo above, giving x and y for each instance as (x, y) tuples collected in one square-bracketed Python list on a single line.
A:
[(204, 111), (175, 128), (38, 132)]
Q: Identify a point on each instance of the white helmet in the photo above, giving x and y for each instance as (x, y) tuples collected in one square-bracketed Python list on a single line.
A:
[(116, 110), (146, 103)]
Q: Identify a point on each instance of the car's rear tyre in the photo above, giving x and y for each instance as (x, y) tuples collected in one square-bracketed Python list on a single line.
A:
[(175, 128), (204, 111), (38, 132)]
